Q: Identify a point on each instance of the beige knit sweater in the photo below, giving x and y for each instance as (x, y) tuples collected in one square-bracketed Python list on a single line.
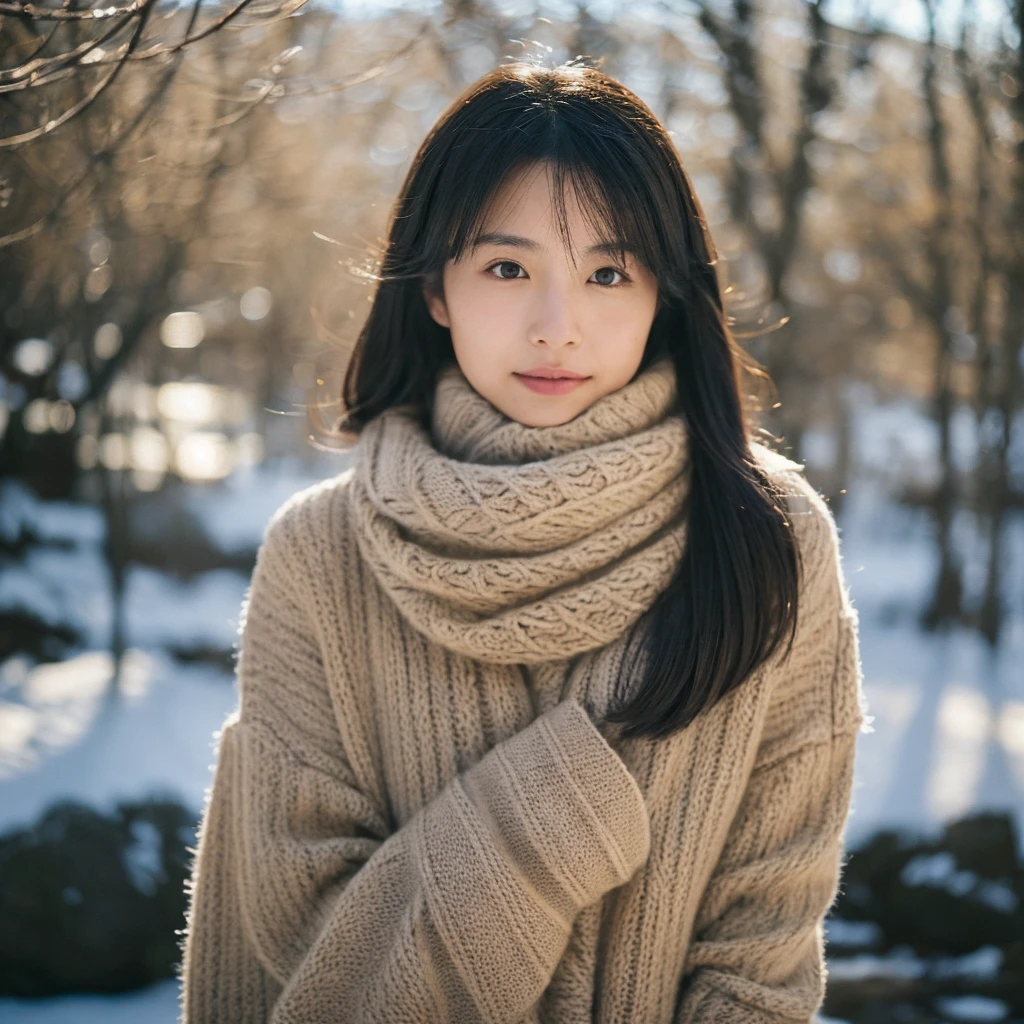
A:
[(418, 813)]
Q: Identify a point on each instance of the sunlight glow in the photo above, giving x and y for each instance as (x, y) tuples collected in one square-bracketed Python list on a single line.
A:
[(183, 330), (963, 722), (256, 303), (191, 402), (149, 451), (205, 456)]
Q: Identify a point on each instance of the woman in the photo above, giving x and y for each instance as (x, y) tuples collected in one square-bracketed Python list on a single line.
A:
[(548, 707)]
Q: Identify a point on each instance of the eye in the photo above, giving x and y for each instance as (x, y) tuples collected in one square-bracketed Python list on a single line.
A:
[(610, 270), (504, 263)]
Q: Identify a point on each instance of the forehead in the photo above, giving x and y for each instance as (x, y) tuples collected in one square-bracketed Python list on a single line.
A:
[(531, 201)]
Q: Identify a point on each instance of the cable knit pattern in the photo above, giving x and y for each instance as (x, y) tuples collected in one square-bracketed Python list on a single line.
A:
[(558, 554), (418, 813)]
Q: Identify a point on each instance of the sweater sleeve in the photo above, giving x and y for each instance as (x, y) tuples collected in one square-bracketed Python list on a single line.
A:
[(306, 906), (757, 954)]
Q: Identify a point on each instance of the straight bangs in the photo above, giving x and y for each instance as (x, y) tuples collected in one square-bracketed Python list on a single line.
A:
[(611, 205), (619, 187), (603, 200)]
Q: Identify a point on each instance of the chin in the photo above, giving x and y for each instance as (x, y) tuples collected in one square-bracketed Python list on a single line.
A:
[(553, 416), (536, 410)]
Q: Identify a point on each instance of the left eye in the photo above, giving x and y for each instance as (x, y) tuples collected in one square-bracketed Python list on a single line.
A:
[(504, 264), (608, 270)]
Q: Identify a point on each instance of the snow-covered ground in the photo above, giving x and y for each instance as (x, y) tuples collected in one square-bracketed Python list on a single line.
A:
[(157, 1004), (948, 711), (66, 737), (62, 733)]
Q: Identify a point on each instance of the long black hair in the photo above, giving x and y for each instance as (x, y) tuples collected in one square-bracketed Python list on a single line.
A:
[(733, 598)]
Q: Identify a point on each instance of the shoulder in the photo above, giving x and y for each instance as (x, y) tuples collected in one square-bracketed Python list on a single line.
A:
[(814, 526), (310, 525), (825, 658)]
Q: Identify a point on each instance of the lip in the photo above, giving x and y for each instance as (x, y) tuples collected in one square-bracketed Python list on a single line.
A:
[(551, 380), (553, 372)]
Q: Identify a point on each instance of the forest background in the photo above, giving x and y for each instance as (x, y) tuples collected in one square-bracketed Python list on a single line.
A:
[(191, 197)]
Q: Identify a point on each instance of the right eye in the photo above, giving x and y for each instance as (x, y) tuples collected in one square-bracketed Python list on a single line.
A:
[(504, 263)]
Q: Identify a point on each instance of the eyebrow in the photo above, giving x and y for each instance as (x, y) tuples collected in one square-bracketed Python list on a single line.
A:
[(520, 242)]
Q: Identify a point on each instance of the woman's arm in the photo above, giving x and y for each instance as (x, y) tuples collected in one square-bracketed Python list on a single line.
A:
[(306, 907), (757, 955)]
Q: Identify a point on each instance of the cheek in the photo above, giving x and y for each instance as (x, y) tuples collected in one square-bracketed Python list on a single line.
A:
[(484, 322), (620, 330), (469, 302), (478, 340)]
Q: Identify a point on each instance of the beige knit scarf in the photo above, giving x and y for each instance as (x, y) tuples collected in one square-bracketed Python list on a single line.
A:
[(520, 545)]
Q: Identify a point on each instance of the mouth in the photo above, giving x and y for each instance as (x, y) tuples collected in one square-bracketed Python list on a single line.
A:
[(547, 380), (553, 373)]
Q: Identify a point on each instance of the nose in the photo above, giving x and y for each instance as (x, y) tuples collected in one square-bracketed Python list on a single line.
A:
[(555, 323)]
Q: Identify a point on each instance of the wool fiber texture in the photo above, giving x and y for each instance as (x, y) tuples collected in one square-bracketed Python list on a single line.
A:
[(417, 812)]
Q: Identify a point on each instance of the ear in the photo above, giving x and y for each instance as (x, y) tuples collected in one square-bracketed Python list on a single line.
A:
[(433, 295)]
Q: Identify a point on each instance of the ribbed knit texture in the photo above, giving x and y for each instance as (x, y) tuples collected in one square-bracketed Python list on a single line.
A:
[(417, 813)]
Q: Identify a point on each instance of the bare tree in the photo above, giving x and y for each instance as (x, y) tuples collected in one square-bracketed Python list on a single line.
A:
[(141, 204), (1001, 374), (766, 183), (50, 44)]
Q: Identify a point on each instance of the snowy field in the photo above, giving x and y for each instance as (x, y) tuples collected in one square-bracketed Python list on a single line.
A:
[(947, 727), (948, 713), (157, 1004)]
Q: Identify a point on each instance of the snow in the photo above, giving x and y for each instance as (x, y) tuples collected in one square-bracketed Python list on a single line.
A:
[(26, 586), (62, 733), (947, 710), (157, 1004), (902, 962), (983, 964), (65, 736), (62, 585), (143, 860), (940, 870), (972, 1008), (50, 521), (842, 933), (900, 441), (235, 514), (998, 895), (164, 612), (71, 587)]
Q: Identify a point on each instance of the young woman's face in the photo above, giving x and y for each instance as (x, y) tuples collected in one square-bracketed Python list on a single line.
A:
[(539, 338)]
